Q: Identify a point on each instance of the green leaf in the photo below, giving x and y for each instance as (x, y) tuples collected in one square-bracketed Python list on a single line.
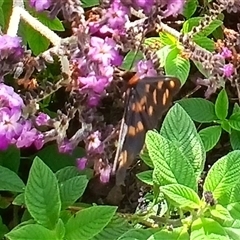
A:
[(19, 200), (226, 126), (153, 42), (131, 59), (144, 155), (55, 160), (137, 234), (234, 121), (10, 158), (180, 129), (3, 229), (231, 201), (192, 22), (204, 42), (206, 228), (71, 171), (236, 108), (162, 54), (232, 228), (221, 105), (235, 139), (223, 175), (176, 65), (170, 165), (72, 189), (199, 109), (179, 233), (31, 231), (9, 181), (181, 196), (146, 177), (220, 212), (210, 136), (42, 196), (54, 24), (116, 228), (189, 8), (89, 222), (89, 3), (167, 39)]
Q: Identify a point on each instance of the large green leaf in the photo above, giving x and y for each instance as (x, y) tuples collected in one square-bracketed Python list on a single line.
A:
[(210, 136), (232, 228), (170, 165), (162, 54), (137, 234), (181, 196), (206, 228), (234, 121), (72, 189), (42, 196), (235, 139), (176, 65), (220, 212), (116, 228), (89, 222), (221, 105), (3, 229), (199, 109), (180, 129), (9, 181), (231, 201), (31, 231), (179, 233), (223, 175)]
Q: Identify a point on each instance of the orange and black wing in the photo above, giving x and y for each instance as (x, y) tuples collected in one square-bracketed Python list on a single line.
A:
[(145, 104)]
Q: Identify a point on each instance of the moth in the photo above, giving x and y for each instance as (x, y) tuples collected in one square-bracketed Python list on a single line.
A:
[(146, 100)]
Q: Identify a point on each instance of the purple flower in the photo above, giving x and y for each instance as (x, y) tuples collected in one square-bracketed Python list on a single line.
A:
[(28, 135), (228, 70), (94, 143), (105, 174), (8, 98), (226, 52), (65, 147), (42, 119), (9, 123), (146, 68), (146, 5), (117, 15), (81, 163), (40, 5), (94, 83), (10, 47), (93, 100), (4, 142), (104, 51), (39, 141), (174, 7)]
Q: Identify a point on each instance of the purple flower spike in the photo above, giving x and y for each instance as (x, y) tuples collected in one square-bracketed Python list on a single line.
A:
[(226, 52), (42, 119)]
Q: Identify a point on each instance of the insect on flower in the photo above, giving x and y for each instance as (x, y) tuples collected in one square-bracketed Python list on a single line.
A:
[(145, 102)]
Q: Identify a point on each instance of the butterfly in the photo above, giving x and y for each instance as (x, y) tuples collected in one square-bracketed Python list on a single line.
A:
[(146, 100)]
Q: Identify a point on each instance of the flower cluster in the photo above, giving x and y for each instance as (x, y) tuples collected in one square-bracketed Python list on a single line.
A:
[(14, 128)]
